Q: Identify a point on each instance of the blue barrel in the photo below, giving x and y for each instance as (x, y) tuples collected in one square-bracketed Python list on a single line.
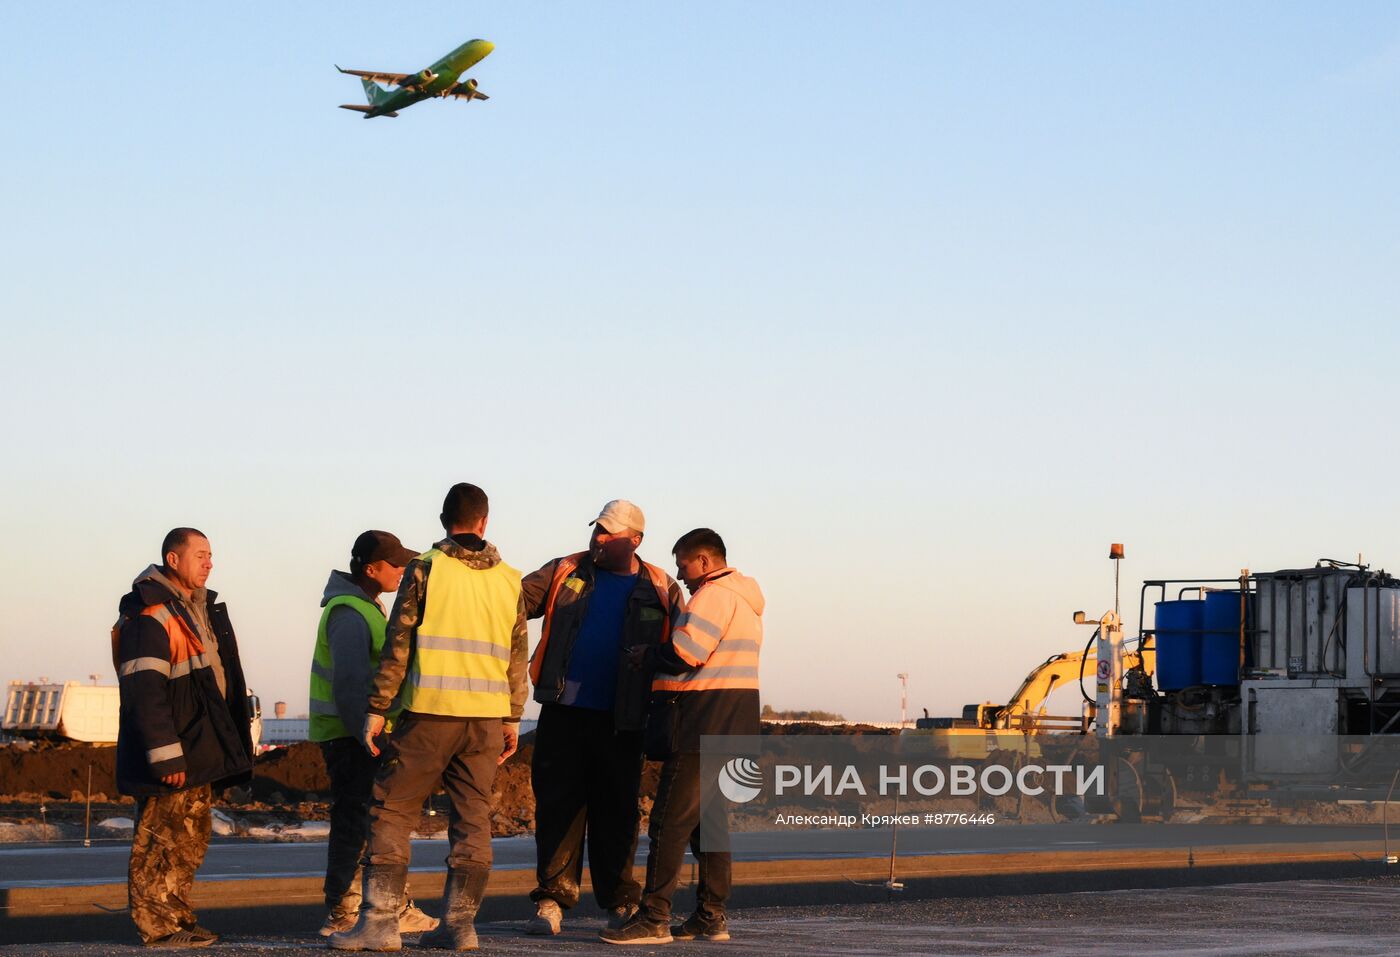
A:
[(1220, 642), (1178, 629)]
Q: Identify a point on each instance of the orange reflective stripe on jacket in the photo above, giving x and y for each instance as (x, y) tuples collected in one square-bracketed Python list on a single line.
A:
[(567, 566), (719, 635), (186, 650)]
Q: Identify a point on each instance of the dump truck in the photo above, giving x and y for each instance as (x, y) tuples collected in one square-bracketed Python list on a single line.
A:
[(69, 711), (73, 711)]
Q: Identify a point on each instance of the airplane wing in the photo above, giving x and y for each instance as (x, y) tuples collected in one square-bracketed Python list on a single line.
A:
[(466, 91), (395, 78)]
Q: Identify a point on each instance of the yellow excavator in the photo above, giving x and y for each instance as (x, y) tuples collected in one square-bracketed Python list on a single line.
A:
[(1013, 726)]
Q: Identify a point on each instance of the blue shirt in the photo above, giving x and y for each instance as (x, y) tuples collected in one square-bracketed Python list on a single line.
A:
[(591, 681)]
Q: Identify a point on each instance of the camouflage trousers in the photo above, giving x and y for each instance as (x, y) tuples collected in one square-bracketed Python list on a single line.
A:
[(167, 847)]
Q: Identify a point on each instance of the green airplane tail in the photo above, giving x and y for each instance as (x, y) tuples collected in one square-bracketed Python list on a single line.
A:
[(375, 93)]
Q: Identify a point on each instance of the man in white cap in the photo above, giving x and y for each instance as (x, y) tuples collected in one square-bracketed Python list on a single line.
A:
[(587, 764)]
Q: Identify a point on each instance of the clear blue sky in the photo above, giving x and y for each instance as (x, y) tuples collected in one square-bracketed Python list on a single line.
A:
[(921, 305)]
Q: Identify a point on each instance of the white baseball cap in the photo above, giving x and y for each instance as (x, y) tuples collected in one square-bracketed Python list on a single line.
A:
[(620, 514)]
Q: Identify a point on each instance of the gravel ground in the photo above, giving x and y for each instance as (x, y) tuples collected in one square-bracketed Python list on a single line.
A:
[(1346, 918)]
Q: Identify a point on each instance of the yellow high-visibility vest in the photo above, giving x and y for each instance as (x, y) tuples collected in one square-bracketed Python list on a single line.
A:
[(461, 658), (326, 723)]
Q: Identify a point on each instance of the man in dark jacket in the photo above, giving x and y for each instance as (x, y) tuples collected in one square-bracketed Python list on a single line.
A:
[(184, 731), (587, 763)]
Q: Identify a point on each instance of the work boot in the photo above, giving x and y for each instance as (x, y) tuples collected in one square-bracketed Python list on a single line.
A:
[(619, 915), (378, 926), (699, 927), (414, 921), (186, 937), (548, 917), (461, 898), (341, 914), (639, 930), (338, 920)]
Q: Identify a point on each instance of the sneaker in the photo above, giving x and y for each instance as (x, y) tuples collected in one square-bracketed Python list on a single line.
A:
[(188, 937), (548, 916), (698, 927), (338, 920), (619, 915), (413, 921), (638, 930)]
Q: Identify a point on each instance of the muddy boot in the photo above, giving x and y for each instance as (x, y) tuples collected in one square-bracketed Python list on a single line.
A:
[(338, 921), (378, 926), (461, 896), (414, 921), (342, 914), (548, 919)]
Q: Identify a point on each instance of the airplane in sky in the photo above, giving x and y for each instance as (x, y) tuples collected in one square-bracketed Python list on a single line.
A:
[(440, 79)]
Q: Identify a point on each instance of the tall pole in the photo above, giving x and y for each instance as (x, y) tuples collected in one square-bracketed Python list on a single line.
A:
[(903, 699), (87, 821), (1115, 552)]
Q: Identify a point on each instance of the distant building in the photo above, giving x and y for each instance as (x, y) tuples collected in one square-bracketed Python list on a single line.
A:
[(280, 732)]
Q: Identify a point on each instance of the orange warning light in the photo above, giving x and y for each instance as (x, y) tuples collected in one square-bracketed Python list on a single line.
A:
[(1115, 550)]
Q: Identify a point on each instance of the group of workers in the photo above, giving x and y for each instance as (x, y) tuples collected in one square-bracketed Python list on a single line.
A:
[(431, 695)]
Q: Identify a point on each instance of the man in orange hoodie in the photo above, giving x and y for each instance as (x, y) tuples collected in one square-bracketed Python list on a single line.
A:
[(708, 673)]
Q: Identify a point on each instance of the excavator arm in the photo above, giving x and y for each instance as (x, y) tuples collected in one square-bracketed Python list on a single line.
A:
[(1028, 703)]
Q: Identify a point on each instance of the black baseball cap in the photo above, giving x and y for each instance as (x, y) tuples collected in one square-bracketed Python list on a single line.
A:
[(375, 546)]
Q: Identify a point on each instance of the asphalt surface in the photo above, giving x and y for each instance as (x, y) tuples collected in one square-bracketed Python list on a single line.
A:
[(49, 865), (1340, 918)]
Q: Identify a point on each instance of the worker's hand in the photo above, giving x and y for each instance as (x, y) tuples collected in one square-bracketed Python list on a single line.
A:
[(374, 726), (175, 780), (510, 731)]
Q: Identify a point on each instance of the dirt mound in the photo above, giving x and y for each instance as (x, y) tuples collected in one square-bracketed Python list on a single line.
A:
[(58, 771), (292, 780), (805, 727), (295, 773)]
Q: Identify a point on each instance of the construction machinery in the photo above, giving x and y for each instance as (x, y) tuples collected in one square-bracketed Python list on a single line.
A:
[(69, 711), (1282, 684), (988, 727), (73, 711)]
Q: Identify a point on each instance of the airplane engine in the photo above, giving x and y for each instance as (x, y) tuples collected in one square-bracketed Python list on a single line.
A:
[(421, 79), (467, 87)]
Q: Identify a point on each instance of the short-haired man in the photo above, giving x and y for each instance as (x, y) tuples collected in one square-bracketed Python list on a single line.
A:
[(348, 641), (710, 669), (184, 731), (456, 649), (587, 765)]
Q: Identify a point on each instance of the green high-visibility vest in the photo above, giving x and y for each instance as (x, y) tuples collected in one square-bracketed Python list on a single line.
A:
[(461, 657), (325, 723)]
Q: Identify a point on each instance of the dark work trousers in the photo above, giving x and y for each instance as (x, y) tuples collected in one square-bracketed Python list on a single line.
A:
[(167, 847), (586, 777), (461, 753), (351, 769), (676, 821)]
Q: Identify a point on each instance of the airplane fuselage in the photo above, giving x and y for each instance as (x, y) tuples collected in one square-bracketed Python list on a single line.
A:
[(445, 74)]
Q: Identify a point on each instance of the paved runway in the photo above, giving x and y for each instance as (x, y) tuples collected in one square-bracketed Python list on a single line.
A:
[(1340, 918), (49, 865)]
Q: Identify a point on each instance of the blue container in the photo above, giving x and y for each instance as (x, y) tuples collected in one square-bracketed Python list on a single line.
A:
[(1179, 625), (1220, 642)]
